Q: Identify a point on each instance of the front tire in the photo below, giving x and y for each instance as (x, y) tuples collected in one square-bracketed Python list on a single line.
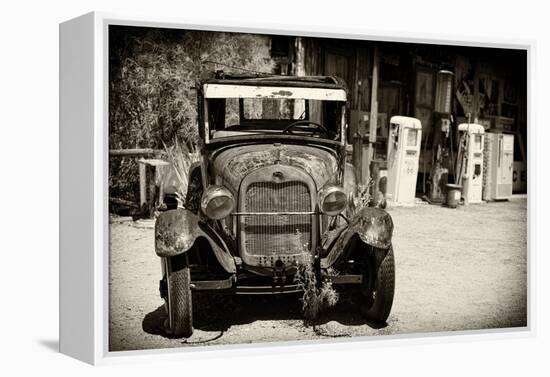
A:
[(378, 289), (180, 301)]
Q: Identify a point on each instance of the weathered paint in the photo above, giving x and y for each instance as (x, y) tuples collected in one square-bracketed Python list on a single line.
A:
[(234, 164), (283, 93), (177, 230), (374, 226), (253, 91)]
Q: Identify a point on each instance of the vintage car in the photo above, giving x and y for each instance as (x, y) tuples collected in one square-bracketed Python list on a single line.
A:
[(272, 191)]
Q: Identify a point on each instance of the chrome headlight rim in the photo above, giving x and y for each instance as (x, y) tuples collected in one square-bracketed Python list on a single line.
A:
[(221, 198), (332, 191)]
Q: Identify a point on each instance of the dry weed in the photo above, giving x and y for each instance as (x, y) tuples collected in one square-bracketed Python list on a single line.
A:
[(317, 295)]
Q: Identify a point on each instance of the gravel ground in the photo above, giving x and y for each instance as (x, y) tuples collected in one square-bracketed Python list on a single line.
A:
[(457, 269)]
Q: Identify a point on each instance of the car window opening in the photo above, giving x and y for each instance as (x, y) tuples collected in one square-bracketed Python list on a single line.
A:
[(304, 117)]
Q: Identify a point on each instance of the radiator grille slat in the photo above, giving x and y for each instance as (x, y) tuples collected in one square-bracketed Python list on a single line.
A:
[(277, 235)]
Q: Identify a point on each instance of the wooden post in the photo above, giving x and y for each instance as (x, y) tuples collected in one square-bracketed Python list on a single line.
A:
[(475, 104), (357, 140), (148, 170), (373, 118), (299, 70), (142, 182), (299, 58)]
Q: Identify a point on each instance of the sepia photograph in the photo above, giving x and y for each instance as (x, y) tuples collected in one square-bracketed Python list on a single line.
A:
[(277, 188)]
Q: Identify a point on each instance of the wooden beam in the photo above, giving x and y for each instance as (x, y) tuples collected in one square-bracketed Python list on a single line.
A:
[(123, 202), (137, 152)]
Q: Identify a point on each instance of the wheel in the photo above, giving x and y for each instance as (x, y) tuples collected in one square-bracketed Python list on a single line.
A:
[(377, 290), (180, 301)]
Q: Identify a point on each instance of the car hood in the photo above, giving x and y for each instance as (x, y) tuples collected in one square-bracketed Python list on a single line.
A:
[(231, 166)]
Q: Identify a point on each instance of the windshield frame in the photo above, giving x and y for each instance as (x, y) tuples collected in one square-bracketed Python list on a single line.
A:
[(225, 91)]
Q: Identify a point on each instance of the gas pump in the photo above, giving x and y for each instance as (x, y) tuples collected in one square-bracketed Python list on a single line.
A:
[(470, 169), (499, 163), (404, 138)]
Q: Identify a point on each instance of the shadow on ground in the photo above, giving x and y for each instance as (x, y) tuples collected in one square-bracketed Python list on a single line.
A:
[(52, 345), (217, 313)]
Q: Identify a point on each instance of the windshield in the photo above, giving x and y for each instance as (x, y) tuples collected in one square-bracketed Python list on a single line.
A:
[(236, 116)]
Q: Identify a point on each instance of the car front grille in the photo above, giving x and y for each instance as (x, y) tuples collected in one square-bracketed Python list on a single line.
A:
[(273, 235)]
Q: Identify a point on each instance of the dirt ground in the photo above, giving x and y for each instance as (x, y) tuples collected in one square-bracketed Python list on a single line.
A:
[(456, 269)]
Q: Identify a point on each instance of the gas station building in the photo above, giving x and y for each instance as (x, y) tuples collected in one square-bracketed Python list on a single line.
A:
[(442, 86)]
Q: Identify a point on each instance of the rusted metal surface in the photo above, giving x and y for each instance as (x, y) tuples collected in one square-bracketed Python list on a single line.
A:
[(234, 164), (272, 189), (328, 82), (245, 138), (374, 227), (206, 285), (345, 279), (268, 289), (176, 232), (330, 236)]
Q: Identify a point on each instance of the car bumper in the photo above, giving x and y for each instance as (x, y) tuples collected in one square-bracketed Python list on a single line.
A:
[(231, 285)]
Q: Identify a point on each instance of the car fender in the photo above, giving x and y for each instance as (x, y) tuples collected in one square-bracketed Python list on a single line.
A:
[(176, 232), (373, 226)]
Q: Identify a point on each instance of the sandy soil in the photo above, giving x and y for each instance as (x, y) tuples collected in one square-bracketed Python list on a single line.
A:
[(455, 270)]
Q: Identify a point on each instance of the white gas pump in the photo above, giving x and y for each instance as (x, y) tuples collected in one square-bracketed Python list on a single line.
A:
[(472, 161), (404, 139), (499, 163)]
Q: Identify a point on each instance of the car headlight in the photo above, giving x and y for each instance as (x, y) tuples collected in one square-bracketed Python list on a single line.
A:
[(217, 202), (332, 200)]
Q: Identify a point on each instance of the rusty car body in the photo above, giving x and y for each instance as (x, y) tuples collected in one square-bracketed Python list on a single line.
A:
[(271, 192)]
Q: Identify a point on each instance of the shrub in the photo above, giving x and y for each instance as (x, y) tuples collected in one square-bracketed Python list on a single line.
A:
[(152, 97)]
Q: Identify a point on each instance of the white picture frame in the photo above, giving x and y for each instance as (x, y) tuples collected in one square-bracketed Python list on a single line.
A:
[(84, 240)]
